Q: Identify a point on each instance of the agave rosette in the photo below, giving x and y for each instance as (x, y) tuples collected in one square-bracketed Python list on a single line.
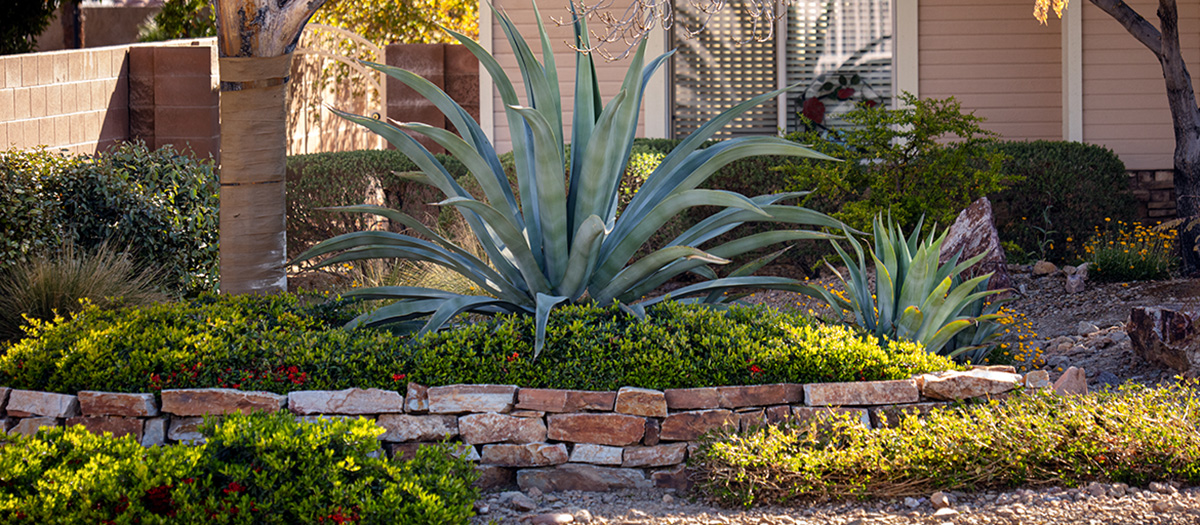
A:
[(562, 240)]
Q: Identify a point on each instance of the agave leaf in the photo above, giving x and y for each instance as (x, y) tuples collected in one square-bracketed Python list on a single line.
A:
[(726, 283), (909, 323), (544, 304), (647, 265), (549, 180), (451, 308), (945, 334), (725, 220), (397, 292), (755, 241), (583, 257), (748, 269), (588, 107), (494, 183), (512, 239), (593, 173), (397, 311)]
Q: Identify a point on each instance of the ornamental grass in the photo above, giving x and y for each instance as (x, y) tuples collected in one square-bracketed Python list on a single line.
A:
[(1132, 435)]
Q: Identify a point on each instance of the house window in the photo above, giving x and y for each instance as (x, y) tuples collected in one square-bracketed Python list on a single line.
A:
[(840, 51)]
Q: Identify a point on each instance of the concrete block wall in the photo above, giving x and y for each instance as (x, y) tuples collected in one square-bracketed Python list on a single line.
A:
[(1155, 193), (174, 97), (77, 101), (450, 67)]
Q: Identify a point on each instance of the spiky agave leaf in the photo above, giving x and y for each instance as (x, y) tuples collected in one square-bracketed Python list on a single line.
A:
[(549, 243)]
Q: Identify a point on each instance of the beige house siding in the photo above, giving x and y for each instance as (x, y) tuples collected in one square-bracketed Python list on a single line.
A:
[(521, 12), (1124, 97), (997, 61)]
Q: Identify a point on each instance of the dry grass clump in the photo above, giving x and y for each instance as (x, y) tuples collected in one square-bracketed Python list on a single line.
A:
[(50, 285), (1132, 435)]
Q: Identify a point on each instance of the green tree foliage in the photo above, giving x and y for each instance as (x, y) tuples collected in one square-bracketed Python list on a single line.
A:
[(180, 19), (402, 21), (23, 21)]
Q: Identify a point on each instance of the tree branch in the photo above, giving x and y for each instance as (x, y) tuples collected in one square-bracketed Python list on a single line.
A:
[(261, 28), (1143, 31)]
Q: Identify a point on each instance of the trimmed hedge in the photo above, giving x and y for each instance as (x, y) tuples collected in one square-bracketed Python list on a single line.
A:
[(1133, 435), (253, 469), (160, 204), (1076, 186), (281, 344)]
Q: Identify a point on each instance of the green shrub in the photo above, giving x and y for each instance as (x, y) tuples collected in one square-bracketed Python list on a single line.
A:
[(351, 177), (1132, 435), (56, 285), (180, 19), (161, 205), (1060, 190), (253, 469), (928, 159), (280, 344)]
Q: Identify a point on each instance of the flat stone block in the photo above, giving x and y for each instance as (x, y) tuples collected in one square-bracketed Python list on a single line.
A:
[(688, 426), (42, 404), (656, 456), (597, 454), (184, 430), (458, 399), (30, 425), (555, 400), (493, 478), (760, 395), (862, 393), (404, 427), (692, 398), (93, 403), (955, 386), (583, 477), (352, 401), (408, 451), (500, 428), (641, 402), (219, 401), (602, 429), (527, 455), (890, 416), (417, 400), (154, 432)]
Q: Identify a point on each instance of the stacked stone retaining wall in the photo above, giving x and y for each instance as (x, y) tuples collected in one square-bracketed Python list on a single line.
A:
[(528, 437)]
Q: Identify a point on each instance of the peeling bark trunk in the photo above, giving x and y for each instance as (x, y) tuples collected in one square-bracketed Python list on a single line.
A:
[(255, 39), (1185, 115)]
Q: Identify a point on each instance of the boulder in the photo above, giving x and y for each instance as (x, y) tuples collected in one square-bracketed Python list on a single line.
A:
[(1075, 284), (583, 477), (1044, 268), (641, 402), (458, 399), (478, 429), (117, 426), (956, 386), (1165, 337), (1037, 379), (862, 393), (351, 401), (1072, 382), (974, 232), (116, 404)]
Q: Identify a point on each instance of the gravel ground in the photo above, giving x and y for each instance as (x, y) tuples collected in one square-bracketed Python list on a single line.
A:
[(1094, 504)]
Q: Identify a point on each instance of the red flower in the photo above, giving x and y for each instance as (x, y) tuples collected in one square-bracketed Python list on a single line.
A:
[(158, 501), (234, 487), (871, 103), (754, 369), (188, 481), (399, 377), (845, 93), (814, 110), (513, 357)]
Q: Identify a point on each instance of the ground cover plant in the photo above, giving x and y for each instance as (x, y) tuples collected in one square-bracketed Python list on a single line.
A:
[(281, 344), (559, 239), (1132, 435), (1131, 252), (253, 469)]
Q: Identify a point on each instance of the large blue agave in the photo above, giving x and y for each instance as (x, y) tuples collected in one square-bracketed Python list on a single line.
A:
[(563, 240)]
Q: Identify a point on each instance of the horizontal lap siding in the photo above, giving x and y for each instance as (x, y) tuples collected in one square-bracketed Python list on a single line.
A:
[(521, 12), (997, 61), (1124, 96)]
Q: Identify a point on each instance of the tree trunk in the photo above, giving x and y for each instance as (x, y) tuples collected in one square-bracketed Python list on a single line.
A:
[(255, 39), (1185, 115)]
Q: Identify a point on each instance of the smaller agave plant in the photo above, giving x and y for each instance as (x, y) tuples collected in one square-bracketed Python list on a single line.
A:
[(915, 297), (562, 239)]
